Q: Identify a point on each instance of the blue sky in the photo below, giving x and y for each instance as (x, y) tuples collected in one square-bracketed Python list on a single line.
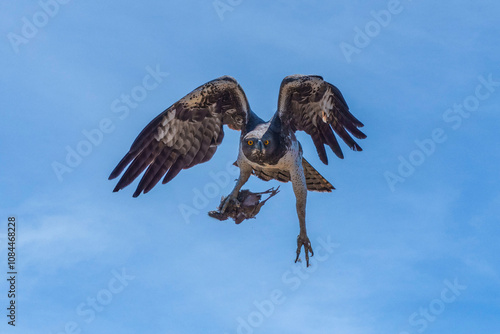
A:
[(408, 243)]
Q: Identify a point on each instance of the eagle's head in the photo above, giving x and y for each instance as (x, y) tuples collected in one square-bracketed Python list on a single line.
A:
[(261, 145)]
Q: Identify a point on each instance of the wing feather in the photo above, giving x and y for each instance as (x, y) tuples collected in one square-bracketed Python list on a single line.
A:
[(155, 171), (174, 170), (331, 140), (310, 104), (137, 166), (210, 153), (184, 135)]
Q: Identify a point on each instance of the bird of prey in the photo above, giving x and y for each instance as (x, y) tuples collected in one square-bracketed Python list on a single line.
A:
[(188, 133)]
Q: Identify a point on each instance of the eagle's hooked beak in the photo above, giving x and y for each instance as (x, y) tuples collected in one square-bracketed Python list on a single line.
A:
[(260, 146)]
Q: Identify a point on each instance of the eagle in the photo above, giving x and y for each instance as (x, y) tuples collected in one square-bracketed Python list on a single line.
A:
[(188, 133)]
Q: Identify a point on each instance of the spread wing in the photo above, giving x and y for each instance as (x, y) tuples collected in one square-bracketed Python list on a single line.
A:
[(310, 104), (184, 135)]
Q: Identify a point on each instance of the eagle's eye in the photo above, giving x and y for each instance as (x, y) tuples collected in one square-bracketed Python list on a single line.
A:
[(266, 142), (250, 142)]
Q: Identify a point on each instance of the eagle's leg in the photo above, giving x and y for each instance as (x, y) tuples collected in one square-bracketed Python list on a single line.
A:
[(300, 189), (242, 179)]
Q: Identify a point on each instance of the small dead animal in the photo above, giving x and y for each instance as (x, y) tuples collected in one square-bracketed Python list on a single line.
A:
[(247, 206)]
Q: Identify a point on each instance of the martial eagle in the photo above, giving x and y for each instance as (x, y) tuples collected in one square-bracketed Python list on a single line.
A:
[(188, 133)]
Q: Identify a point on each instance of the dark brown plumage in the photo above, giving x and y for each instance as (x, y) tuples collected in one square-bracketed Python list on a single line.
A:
[(315, 106), (184, 135)]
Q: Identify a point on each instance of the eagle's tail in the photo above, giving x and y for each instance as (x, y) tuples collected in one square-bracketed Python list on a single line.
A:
[(314, 180)]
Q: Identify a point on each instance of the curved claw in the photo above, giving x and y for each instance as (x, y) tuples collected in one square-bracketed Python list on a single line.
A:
[(227, 200), (304, 241)]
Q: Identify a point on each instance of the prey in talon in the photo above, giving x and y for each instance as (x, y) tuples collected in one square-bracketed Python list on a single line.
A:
[(189, 132), (244, 206)]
